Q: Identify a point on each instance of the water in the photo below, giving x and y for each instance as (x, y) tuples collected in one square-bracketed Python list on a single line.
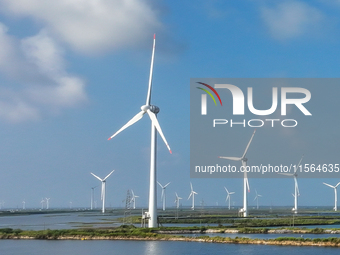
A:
[(58, 221), (33, 247)]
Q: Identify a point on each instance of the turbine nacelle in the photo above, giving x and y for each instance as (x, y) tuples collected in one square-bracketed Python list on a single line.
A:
[(153, 108)]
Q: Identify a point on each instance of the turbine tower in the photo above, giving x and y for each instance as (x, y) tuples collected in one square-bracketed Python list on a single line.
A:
[(177, 200), (152, 111), (296, 187), (228, 196), (103, 188), (243, 160), (257, 199), (163, 194), (335, 195), (192, 193), (92, 196), (133, 199)]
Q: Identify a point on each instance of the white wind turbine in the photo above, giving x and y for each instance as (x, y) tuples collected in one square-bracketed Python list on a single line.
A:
[(243, 160), (103, 188), (163, 198), (296, 187), (92, 196), (133, 199), (257, 199), (47, 203), (152, 111), (228, 196), (192, 193), (42, 203), (24, 205), (335, 195), (177, 200)]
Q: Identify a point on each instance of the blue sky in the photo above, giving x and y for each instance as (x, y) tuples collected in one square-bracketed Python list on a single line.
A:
[(73, 72)]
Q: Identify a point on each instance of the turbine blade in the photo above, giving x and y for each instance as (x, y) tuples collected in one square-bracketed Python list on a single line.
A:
[(148, 97), (286, 174), (337, 185), (191, 186), (158, 127), (231, 158), (160, 184), (108, 175), (135, 118), (166, 185), (298, 164), (100, 179), (231, 193), (329, 185), (189, 195), (195, 192), (226, 190), (245, 152)]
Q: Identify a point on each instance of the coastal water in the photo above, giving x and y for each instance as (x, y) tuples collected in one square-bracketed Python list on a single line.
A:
[(106, 247)]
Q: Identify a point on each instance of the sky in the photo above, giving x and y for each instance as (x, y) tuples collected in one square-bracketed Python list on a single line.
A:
[(73, 72)]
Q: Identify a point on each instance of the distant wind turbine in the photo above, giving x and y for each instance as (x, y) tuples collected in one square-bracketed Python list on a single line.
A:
[(24, 205), (133, 199), (296, 187), (152, 111), (243, 160), (335, 195), (163, 198), (257, 199), (42, 203), (192, 193), (177, 200), (103, 188), (92, 196), (48, 203), (228, 196)]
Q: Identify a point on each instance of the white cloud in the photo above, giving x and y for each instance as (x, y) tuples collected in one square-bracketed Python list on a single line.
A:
[(36, 80), (291, 19), (90, 26)]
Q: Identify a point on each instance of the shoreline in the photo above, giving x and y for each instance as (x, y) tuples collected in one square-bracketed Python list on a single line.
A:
[(170, 235)]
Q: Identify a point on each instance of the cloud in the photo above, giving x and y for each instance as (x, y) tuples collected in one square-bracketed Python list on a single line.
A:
[(291, 19), (35, 80), (90, 26)]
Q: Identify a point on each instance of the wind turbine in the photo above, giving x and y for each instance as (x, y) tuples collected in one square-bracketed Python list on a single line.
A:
[(257, 199), (192, 193), (296, 187), (42, 203), (228, 196), (163, 194), (177, 200), (23, 204), (92, 196), (47, 203), (243, 160), (133, 199), (335, 195), (103, 188), (152, 111)]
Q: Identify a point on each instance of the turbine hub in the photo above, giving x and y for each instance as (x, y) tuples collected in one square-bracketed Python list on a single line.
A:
[(152, 108), (245, 159)]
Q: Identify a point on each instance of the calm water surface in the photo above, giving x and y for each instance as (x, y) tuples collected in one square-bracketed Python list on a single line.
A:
[(33, 247)]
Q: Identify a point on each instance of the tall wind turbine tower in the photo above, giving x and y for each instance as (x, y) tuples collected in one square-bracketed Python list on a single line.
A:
[(152, 111), (163, 194), (192, 193), (335, 195), (243, 160), (103, 188), (296, 186), (228, 196)]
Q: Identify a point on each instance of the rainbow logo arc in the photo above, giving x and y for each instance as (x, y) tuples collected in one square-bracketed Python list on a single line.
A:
[(209, 93)]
